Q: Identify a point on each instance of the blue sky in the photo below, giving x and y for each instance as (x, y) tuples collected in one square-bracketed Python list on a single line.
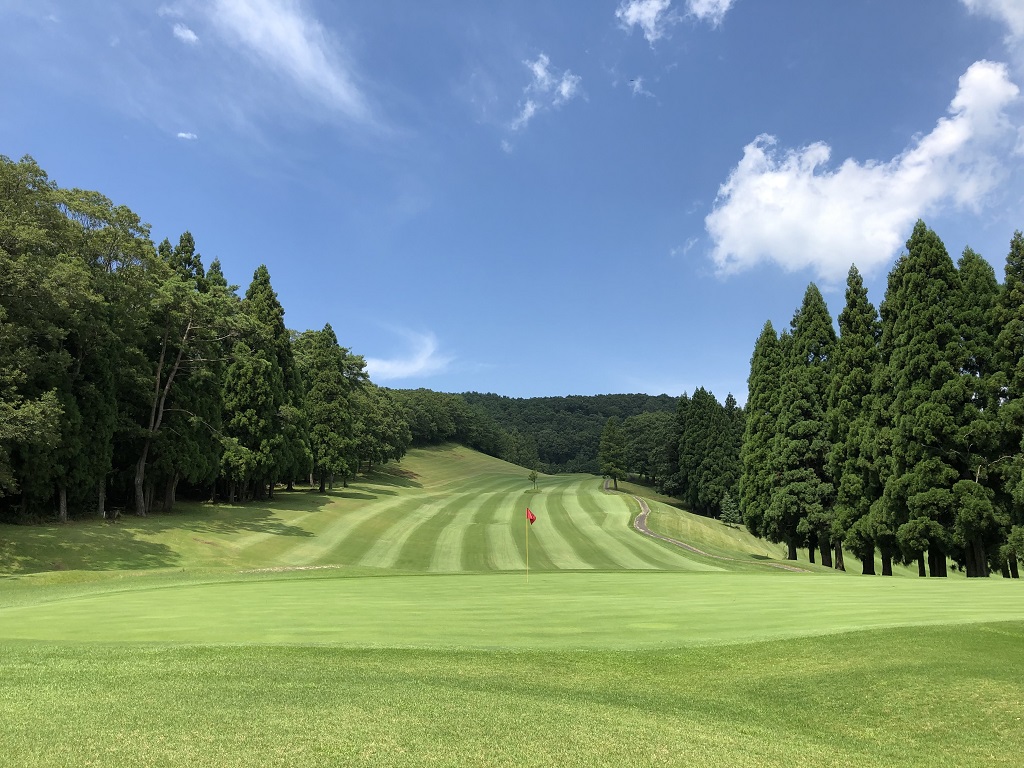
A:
[(535, 198)]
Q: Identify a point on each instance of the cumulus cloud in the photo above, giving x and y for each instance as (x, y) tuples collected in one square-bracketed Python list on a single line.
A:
[(711, 11), (424, 359), (548, 88), (286, 39), (790, 208), (654, 17), (187, 136), (185, 34)]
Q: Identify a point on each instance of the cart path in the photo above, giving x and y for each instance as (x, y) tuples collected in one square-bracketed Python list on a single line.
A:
[(640, 525)]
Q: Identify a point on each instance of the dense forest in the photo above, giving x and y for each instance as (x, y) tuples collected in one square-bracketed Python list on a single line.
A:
[(562, 434), (130, 372), (901, 435)]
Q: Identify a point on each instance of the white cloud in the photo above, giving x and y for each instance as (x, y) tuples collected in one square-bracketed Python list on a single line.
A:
[(528, 111), (287, 39), (790, 208), (185, 34), (187, 136), (546, 89), (711, 11), (1010, 12), (636, 85), (654, 17), (424, 359)]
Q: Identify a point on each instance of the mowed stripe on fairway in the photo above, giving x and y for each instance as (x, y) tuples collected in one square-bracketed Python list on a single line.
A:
[(441, 510), (601, 518)]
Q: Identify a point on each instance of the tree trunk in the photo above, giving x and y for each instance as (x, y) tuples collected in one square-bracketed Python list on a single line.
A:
[(868, 565), (101, 502), (980, 559), (323, 482), (840, 562), (886, 564), (1005, 568), (150, 492), (1013, 567), (921, 570), (169, 492), (231, 492), (969, 561), (791, 555), (810, 553), (140, 481), (825, 547), (62, 504), (936, 563)]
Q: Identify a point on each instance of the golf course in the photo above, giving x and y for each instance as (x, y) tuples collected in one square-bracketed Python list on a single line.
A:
[(393, 623)]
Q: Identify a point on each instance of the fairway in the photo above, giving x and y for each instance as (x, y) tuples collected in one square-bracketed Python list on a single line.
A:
[(392, 624), (445, 510)]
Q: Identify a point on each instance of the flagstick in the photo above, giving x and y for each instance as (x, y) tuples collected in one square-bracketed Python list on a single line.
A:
[(527, 521)]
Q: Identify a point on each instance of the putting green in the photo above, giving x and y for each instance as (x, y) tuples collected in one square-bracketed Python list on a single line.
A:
[(556, 611)]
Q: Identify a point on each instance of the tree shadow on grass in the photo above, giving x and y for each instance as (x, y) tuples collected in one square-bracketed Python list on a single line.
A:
[(223, 519), (393, 475), (350, 494), (128, 543), (90, 546)]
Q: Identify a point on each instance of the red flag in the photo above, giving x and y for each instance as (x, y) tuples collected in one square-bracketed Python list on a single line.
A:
[(530, 516)]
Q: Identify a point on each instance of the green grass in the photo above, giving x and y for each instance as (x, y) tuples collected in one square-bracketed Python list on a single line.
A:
[(947, 696), (442, 511), (391, 624)]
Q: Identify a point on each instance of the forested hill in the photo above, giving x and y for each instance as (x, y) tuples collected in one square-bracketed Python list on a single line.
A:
[(562, 434)]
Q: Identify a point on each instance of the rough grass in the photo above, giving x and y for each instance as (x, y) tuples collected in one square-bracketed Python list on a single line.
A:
[(946, 696)]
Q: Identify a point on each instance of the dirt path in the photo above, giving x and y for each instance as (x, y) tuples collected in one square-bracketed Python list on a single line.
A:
[(640, 525)]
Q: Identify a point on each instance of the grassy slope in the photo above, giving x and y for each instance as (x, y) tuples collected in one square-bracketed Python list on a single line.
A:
[(444, 510), (193, 648)]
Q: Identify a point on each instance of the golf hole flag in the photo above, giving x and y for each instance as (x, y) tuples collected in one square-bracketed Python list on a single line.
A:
[(530, 518)]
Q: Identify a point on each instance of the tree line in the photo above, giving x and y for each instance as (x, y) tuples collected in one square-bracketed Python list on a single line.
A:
[(902, 435), (128, 369), (692, 453), (562, 434)]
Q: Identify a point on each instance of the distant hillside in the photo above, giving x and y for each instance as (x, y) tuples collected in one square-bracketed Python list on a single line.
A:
[(562, 434)]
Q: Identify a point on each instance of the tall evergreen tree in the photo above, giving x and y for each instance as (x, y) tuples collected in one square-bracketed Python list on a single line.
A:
[(920, 348), (850, 418), (801, 508), (328, 406), (981, 516), (758, 468), (289, 457)]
